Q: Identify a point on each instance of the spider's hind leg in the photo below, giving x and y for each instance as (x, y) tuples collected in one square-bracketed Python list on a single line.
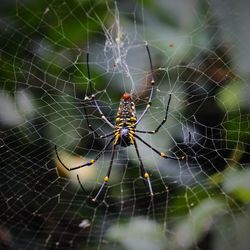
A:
[(106, 178), (144, 173), (161, 154), (91, 162)]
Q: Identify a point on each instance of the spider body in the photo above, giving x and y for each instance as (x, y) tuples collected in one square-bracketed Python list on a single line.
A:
[(124, 132), (125, 122)]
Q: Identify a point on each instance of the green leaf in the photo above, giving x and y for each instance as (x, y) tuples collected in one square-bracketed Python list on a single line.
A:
[(138, 233), (200, 219), (237, 183)]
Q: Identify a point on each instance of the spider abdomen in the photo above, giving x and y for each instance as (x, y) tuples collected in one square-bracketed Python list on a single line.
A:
[(125, 122), (124, 136)]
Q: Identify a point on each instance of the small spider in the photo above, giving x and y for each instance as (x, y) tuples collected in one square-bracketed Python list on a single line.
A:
[(124, 131)]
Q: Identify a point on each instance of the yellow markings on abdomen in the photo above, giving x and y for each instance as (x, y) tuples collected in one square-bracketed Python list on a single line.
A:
[(131, 135), (117, 135)]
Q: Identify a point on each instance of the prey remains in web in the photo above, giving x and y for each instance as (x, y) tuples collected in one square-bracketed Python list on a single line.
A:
[(124, 132)]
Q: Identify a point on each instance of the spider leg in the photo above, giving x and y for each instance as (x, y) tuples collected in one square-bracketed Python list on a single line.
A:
[(152, 87), (106, 178), (158, 152), (144, 173), (83, 189), (161, 124), (92, 98), (91, 162), (95, 132)]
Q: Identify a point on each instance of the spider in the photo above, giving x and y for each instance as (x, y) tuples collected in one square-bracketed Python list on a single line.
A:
[(124, 131)]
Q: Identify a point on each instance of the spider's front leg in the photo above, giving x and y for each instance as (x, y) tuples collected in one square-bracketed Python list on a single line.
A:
[(92, 98), (161, 124), (152, 87)]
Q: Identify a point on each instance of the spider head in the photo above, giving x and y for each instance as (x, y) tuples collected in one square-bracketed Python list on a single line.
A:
[(126, 96)]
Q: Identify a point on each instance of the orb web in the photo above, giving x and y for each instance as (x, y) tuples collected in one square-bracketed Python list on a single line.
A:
[(197, 58)]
